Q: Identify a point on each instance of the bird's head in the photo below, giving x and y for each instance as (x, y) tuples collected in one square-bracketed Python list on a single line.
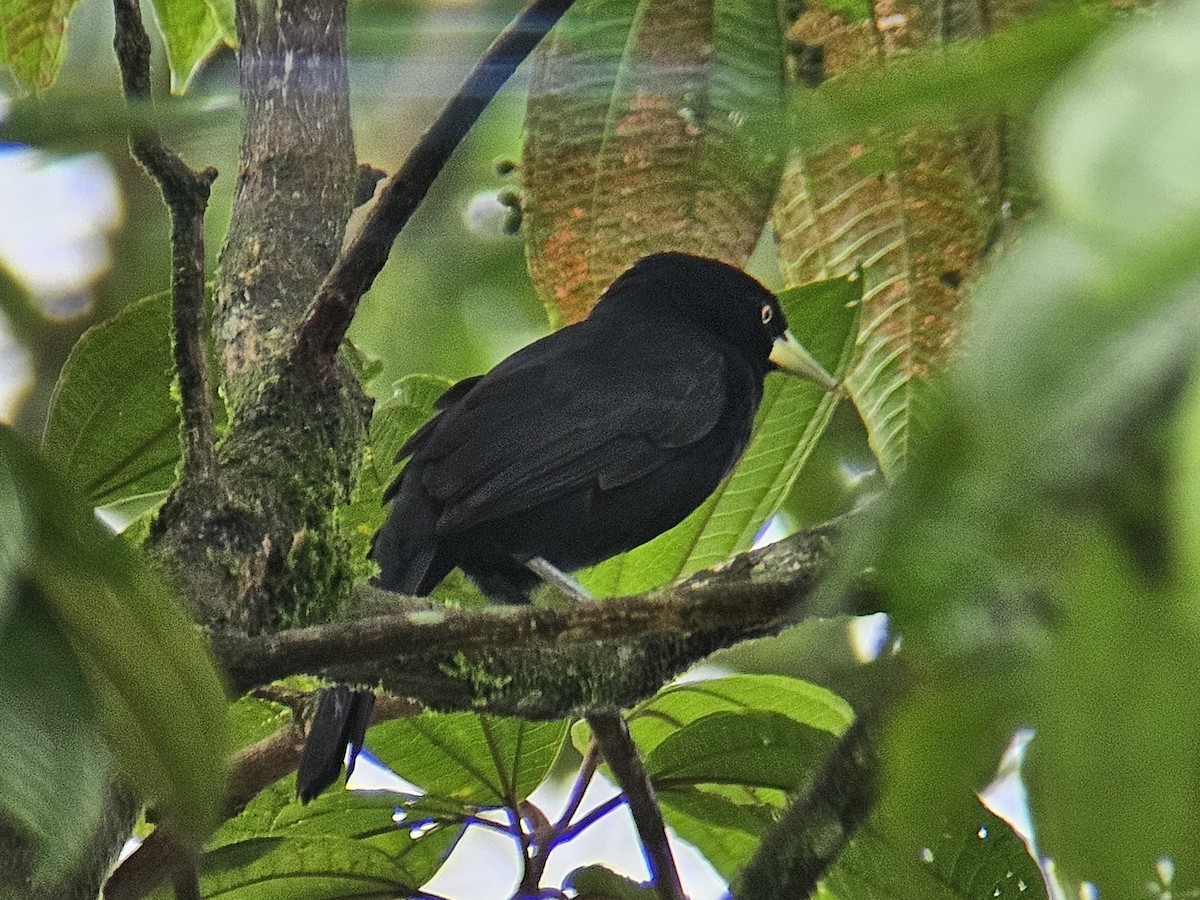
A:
[(724, 301)]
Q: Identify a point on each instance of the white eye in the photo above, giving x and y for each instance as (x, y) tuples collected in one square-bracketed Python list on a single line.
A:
[(767, 313)]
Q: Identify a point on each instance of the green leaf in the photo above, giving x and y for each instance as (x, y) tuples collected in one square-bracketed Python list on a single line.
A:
[(726, 829), (711, 734), (50, 738), (327, 827), (599, 883), (983, 858), (34, 39), (473, 759), (1132, 195), (161, 703), (311, 868), (757, 749), (114, 426), (251, 719), (677, 706), (192, 29), (791, 418), (1186, 477), (625, 156)]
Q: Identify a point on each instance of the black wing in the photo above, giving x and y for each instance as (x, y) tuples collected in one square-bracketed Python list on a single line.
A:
[(569, 411)]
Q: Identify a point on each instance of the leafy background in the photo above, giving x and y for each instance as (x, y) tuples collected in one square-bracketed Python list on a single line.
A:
[(1037, 550)]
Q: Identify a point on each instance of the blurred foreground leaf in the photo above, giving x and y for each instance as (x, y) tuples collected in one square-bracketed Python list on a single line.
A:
[(160, 704), (1025, 557)]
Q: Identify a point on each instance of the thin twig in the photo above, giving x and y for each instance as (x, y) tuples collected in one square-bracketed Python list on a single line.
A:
[(332, 309), (612, 736), (186, 193), (588, 820), (535, 863), (587, 771)]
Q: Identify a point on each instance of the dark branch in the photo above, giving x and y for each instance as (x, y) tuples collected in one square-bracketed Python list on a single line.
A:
[(814, 830), (186, 882), (612, 735), (754, 594), (332, 309), (185, 192)]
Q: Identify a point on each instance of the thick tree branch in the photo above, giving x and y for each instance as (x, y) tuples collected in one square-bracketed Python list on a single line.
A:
[(612, 735), (509, 655), (333, 308), (814, 830), (186, 193)]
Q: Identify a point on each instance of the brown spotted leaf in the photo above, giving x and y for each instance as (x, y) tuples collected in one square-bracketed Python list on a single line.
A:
[(652, 125), (915, 211), (33, 39)]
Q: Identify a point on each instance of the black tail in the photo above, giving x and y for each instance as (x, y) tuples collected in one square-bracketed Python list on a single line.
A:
[(406, 547), (340, 721)]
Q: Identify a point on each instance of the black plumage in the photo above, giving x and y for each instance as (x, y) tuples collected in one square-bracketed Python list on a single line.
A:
[(592, 440), (583, 444)]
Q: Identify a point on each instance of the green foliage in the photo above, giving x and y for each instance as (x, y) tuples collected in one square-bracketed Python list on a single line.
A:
[(1040, 556), (470, 759), (114, 421), (1027, 557), (192, 30), (342, 844), (97, 637), (724, 754), (50, 736), (314, 868), (791, 419), (394, 422), (599, 883), (977, 856)]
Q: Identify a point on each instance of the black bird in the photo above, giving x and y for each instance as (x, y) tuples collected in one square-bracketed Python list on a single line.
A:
[(582, 445)]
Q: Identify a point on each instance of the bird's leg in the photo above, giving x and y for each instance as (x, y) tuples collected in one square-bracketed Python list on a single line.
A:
[(551, 574)]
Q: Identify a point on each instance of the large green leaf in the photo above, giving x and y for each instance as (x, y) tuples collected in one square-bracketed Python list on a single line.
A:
[(49, 739), (725, 827), (977, 858), (161, 705), (1024, 557), (652, 125), (113, 426), (724, 754), (677, 706), (793, 414), (598, 883), (34, 42), (475, 760), (758, 749), (311, 868)]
